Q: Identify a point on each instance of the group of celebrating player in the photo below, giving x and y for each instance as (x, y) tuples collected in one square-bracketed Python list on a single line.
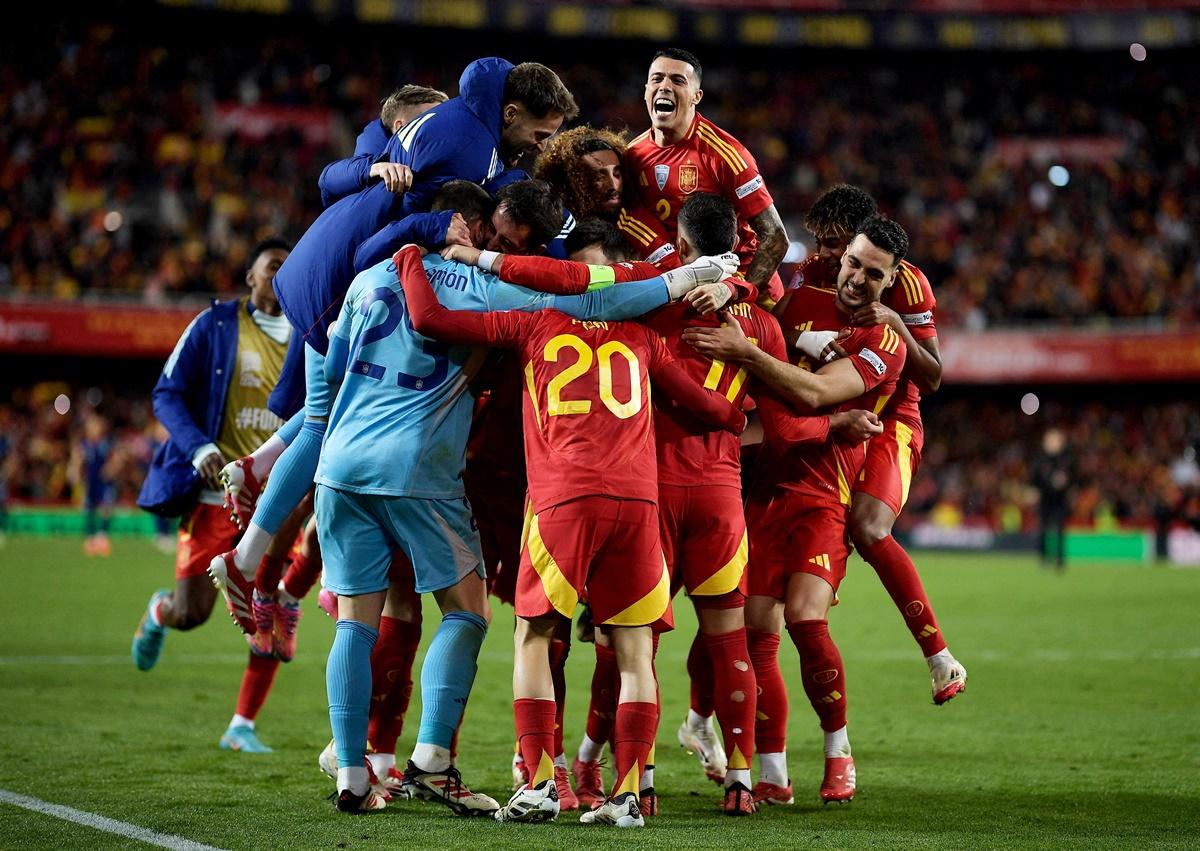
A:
[(400, 382)]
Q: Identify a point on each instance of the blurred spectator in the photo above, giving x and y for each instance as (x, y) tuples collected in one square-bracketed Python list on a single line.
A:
[(120, 175), (1052, 476)]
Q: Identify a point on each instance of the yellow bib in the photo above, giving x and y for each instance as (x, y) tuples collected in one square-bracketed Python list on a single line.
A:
[(248, 422)]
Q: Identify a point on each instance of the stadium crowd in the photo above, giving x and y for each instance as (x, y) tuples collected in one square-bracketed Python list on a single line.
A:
[(1131, 458), (117, 179)]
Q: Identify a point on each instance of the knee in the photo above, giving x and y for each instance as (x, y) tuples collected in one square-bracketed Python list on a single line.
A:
[(868, 528)]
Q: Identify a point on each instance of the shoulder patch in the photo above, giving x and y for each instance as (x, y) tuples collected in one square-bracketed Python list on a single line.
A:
[(749, 186), (659, 253), (917, 318), (874, 360)]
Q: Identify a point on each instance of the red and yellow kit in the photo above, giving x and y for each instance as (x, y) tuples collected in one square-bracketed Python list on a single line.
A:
[(699, 470), (707, 159), (650, 239), (797, 511), (892, 457), (588, 434)]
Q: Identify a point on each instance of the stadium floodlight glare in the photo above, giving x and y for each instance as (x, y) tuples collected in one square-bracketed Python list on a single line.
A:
[(1059, 176), (1030, 404), (62, 404), (1138, 52)]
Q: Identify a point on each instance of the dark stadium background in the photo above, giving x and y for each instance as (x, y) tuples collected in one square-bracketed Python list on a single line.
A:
[(144, 148)]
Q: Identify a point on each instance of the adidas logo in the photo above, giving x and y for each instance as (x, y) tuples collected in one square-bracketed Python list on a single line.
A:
[(927, 631), (821, 561), (833, 697)]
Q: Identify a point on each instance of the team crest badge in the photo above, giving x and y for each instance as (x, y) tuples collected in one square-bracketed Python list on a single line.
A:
[(689, 178), (661, 173)]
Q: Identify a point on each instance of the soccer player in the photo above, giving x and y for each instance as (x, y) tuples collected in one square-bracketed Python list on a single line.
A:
[(403, 399), (799, 506), (212, 397), (909, 308), (90, 465), (592, 519), (584, 166), (683, 153), (502, 112), (347, 176)]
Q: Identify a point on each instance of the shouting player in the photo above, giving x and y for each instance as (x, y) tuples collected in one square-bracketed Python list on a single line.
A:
[(683, 153), (909, 309), (799, 507)]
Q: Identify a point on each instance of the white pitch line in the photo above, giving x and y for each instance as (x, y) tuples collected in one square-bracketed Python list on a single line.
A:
[(120, 828)]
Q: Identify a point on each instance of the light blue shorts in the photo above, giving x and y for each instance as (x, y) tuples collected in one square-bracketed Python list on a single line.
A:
[(318, 395), (358, 533)]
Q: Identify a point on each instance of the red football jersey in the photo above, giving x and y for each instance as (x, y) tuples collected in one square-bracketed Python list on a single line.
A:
[(828, 470), (688, 453), (911, 296), (587, 413), (707, 159), (649, 238)]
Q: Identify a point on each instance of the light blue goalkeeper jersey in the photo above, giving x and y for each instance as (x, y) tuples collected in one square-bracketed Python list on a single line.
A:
[(400, 421)]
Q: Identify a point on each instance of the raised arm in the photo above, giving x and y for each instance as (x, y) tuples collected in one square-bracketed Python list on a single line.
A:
[(772, 245)]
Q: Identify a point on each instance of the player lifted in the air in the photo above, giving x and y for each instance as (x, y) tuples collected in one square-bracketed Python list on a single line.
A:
[(909, 308), (683, 153)]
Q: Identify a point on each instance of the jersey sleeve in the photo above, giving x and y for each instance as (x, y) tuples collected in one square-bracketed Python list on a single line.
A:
[(913, 300), (548, 275), (877, 353), (649, 239), (737, 171), (432, 319)]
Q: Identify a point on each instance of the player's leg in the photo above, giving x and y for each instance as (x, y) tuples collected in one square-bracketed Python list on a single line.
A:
[(764, 624), (892, 459), (768, 522), (291, 479), (357, 553), (723, 632), (439, 538), (202, 531), (819, 565), (391, 671), (560, 649), (629, 589), (605, 685), (535, 710)]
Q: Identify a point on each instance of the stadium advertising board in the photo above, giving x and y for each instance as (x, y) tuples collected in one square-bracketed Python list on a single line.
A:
[(78, 329)]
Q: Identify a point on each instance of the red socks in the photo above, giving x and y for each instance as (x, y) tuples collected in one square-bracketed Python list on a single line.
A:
[(734, 694), (606, 684), (635, 728), (771, 712), (256, 685), (301, 576), (535, 737), (899, 576), (822, 672), (559, 650), (266, 579), (391, 681), (700, 672)]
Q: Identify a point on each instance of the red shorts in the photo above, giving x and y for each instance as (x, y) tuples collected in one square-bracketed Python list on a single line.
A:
[(795, 533), (600, 549), (499, 506), (204, 533), (892, 461), (703, 538)]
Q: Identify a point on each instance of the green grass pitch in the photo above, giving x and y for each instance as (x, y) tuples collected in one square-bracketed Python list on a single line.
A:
[(1080, 727)]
